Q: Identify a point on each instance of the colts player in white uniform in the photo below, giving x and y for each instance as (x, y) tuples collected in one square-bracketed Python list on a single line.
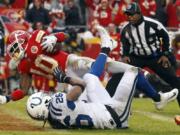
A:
[(100, 111)]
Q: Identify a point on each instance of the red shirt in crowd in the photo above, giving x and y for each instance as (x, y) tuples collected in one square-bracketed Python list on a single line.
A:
[(172, 15), (120, 17), (148, 7)]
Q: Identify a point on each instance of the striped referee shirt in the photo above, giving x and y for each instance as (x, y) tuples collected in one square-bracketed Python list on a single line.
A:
[(143, 39)]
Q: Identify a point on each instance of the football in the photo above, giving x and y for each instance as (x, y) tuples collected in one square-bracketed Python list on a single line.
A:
[(177, 119)]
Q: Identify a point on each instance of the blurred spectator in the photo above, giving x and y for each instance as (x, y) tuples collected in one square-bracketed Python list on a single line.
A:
[(55, 8), (19, 17), (3, 77), (47, 4), (71, 42), (49, 29), (6, 3), (176, 44), (161, 14), (53, 4), (83, 11), (104, 13), (57, 16), (13, 80), (176, 48), (38, 26), (115, 53), (119, 18), (38, 14), (173, 12), (19, 4), (92, 5), (92, 27), (72, 13), (148, 7), (2, 47)]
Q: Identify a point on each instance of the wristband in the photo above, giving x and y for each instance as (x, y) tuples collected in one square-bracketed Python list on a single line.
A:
[(17, 94), (66, 79)]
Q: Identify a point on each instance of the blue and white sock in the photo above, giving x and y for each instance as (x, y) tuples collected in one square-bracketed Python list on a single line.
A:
[(146, 87), (98, 66)]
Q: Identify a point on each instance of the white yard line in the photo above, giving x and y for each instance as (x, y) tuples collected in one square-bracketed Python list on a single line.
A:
[(156, 116)]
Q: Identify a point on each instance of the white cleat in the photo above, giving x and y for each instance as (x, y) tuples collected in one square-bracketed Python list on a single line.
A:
[(106, 40), (166, 98)]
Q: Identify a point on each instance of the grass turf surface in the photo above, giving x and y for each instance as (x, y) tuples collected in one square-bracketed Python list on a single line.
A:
[(145, 120)]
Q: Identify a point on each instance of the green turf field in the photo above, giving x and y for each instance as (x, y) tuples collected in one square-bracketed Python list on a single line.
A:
[(145, 120)]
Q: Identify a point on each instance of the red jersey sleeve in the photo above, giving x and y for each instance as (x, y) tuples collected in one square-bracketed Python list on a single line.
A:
[(60, 36)]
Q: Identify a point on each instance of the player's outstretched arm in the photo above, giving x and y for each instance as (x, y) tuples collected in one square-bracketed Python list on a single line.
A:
[(14, 96), (25, 84), (78, 84)]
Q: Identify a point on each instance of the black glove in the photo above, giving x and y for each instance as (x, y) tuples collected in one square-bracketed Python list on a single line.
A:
[(60, 75)]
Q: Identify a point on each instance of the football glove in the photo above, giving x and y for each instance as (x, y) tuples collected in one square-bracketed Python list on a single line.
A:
[(48, 43), (3, 99), (60, 76)]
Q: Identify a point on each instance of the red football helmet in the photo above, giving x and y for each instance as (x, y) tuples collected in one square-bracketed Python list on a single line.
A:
[(17, 44)]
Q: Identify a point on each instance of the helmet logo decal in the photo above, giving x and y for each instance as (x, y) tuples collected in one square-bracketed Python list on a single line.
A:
[(34, 49), (38, 102)]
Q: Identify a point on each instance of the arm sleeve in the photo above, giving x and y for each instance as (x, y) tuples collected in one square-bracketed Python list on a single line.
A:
[(163, 35), (61, 36), (125, 44)]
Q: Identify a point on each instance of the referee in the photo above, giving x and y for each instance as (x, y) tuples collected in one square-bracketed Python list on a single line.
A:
[(145, 43)]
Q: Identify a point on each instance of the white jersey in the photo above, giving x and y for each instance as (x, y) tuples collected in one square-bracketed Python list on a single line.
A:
[(80, 114)]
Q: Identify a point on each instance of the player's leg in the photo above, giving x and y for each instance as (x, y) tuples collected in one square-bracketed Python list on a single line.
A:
[(124, 95), (116, 66), (95, 90), (160, 99)]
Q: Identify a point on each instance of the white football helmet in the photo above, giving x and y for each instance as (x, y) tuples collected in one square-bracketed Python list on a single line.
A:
[(37, 105)]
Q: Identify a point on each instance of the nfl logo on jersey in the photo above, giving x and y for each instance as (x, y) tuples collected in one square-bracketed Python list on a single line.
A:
[(34, 49)]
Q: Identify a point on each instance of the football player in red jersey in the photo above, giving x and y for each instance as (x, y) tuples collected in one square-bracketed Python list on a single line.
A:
[(37, 54)]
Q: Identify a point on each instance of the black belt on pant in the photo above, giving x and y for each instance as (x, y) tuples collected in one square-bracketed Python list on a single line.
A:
[(114, 115)]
